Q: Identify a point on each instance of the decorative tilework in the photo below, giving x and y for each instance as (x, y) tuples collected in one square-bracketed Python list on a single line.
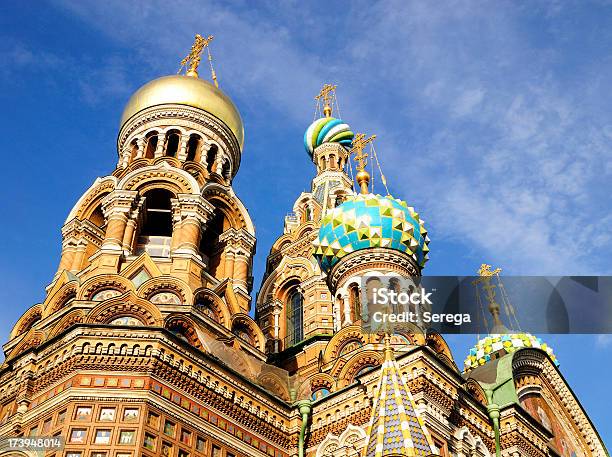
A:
[(496, 346), (327, 130), (395, 426), (367, 221)]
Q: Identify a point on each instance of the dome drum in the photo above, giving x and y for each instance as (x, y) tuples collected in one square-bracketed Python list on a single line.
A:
[(188, 104), (183, 124), (383, 261)]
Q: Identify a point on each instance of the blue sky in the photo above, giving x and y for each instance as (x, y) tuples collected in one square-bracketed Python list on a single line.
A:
[(493, 120)]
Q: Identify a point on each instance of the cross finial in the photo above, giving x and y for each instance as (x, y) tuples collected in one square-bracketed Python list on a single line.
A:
[(327, 93), (195, 56), (359, 143)]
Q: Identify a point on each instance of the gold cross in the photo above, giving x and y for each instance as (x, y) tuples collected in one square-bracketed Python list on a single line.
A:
[(195, 55), (327, 93), (485, 271), (359, 143)]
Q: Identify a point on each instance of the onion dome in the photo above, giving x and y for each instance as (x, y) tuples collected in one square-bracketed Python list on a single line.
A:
[(327, 130), (370, 221), (190, 91), (495, 346)]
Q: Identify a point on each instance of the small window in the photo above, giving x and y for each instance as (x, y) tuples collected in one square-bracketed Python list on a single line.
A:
[(169, 428), (183, 453), (46, 427), (77, 435), (98, 454), (127, 436), (61, 417), (73, 454), (153, 419), (149, 441), (83, 413), (166, 449), (200, 444), (102, 436), (107, 414), (33, 431), (123, 454), (130, 414), (216, 451), (185, 436)]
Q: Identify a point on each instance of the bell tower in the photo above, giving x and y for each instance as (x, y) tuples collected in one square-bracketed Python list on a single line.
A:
[(170, 197)]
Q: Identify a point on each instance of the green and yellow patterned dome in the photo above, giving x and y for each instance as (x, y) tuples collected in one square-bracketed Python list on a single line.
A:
[(495, 346), (370, 221)]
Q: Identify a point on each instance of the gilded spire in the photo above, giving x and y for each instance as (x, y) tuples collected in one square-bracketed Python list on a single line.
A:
[(396, 427), (327, 95), (359, 143), (195, 56)]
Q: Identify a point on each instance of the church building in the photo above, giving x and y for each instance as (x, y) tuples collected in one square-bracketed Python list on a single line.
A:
[(151, 340)]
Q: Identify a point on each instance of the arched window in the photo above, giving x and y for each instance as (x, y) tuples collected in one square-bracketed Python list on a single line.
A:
[(332, 161), (156, 231), (173, 139), (394, 285), (193, 148), (209, 243), (211, 156), (205, 304), (150, 145), (355, 302), (133, 149), (97, 217), (295, 317)]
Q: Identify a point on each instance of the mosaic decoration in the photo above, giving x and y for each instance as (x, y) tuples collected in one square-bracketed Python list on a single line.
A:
[(495, 346), (327, 130), (396, 427), (368, 221)]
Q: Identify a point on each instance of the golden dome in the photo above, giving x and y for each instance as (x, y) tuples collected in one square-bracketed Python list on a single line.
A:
[(186, 90)]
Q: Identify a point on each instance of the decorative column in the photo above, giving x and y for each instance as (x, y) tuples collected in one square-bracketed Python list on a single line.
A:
[(130, 228), (77, 261), (239, 245), (140, 144), (116, 207), (219, 164), (182, 153), (161, 142), (190, 214)]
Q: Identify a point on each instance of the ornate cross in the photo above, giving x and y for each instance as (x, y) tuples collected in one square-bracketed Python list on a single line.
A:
[(195, 55), (359, 143), (327, 93)]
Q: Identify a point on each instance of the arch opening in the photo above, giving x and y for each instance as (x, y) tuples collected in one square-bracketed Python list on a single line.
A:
[(155, 234)]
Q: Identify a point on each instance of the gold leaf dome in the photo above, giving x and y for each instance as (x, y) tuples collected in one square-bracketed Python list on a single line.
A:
[(190, 91)]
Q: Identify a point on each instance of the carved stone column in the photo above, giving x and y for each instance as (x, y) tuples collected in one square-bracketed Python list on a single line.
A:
[(130, 228), (182, 153), (140, 144), (116, 207), (161, 142), (190, 214), (239, 246)]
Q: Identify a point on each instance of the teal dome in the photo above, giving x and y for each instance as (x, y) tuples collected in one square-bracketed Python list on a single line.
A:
[(327, 130), (495, 346), (370, 221)]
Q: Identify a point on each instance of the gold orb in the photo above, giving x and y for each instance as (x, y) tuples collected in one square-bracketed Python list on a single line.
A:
[(190, 91)]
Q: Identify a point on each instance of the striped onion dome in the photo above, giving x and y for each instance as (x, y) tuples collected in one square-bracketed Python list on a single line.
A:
[(496, 346), (368, 221), (327, 130)]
